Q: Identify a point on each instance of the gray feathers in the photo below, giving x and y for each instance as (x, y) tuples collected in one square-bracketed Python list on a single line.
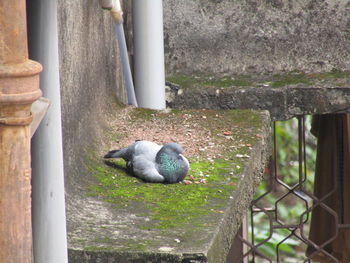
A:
[(154, 163)]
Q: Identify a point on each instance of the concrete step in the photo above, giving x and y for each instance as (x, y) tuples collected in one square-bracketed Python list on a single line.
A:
[(283, 95), (118, 218)]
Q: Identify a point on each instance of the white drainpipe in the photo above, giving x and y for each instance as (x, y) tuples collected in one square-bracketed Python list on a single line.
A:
[(49, 219), (149, 70)]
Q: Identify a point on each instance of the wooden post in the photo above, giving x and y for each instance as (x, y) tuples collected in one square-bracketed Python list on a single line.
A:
[(19, 88)]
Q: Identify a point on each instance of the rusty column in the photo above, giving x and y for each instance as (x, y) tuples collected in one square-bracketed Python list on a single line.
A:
[(19, 88)]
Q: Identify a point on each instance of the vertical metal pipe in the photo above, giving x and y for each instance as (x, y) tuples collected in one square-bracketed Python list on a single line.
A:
[(341, 171), (49, 217), (19, 88), (149, 53), (124, 58), (300, 148)]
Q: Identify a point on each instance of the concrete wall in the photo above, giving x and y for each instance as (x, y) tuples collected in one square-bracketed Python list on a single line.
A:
[(256, 36), (90, 76)]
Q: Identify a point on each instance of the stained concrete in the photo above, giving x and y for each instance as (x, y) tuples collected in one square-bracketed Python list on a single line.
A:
[(254, 36), (284, 96), (90, 78), (105, 227), (219, 37)]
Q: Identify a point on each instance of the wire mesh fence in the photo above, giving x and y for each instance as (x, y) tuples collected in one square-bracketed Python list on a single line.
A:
[(289, 213)]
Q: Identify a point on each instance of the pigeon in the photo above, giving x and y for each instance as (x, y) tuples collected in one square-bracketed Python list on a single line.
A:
[(154, 163)]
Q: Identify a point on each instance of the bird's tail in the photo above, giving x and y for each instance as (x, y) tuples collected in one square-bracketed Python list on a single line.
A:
[(113, 154), (121, 153)]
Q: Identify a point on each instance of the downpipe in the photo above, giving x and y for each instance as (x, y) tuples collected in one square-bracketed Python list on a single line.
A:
[(19, 88), (149, 53), (49, 217), (117, 14)]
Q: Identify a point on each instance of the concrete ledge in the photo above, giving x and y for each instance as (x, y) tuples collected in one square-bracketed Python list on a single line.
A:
[(117, 218), (284, 96)]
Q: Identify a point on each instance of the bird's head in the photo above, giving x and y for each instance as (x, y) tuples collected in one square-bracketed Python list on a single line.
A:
[(173, 147), (172, 165)]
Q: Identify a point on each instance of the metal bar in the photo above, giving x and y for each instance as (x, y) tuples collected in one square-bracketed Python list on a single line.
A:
[(286, 226), (341, 170), (304, 148), (300, 148), (253, 250), (252, 234), (281, 242), (19, 88), (299, 190), (342, 226)]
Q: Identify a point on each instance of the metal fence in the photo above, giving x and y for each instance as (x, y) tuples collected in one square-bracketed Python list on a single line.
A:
[(276, 235)]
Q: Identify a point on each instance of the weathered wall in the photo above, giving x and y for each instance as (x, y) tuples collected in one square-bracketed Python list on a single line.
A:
[(256, 36), (90, 75)]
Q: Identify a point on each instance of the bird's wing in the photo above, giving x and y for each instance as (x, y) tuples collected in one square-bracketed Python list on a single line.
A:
[(146, 149), (146, 170), (185, 160)]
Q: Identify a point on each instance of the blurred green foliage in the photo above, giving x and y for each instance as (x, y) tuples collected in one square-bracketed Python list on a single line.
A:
[(290, 209), (288, 152)]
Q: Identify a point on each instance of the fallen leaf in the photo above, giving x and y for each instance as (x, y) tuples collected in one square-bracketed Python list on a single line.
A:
[(219, 211), (187, 182)]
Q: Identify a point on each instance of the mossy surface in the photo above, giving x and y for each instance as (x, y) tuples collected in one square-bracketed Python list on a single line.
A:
[(170, 206), (275, 81), (290, 79), (334, 74), (186, 81), (122, 214)]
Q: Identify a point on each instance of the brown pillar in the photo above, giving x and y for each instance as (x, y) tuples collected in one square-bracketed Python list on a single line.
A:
[(19, 88)]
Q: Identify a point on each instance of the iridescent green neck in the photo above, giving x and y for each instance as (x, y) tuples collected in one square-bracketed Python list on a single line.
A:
[(171, 166)]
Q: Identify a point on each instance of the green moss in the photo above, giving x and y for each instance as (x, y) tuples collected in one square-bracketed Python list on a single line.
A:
[(175, 205), (144, 114), (96, 248), (186, 81), (334, 74), (290, 79), (168, 205), (137, 245), (309, 79)]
